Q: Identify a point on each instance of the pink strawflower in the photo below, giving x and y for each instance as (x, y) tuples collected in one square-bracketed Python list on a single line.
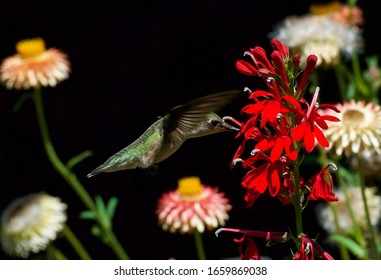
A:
[(192, 206)]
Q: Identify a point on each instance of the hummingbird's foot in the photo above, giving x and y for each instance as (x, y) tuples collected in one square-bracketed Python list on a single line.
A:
[(228, 118)]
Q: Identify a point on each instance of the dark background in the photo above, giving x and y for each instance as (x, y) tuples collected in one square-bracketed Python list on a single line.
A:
[(132, 61)]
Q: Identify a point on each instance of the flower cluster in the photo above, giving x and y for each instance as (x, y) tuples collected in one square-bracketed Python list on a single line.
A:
[(282, 124)]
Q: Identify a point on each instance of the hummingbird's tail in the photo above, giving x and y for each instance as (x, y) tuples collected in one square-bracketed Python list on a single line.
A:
[(105, 167), (96, 171), (114, 163)]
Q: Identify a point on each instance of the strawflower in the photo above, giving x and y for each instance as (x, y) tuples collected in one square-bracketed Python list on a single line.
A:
[(192, 207), (359, 130), (321, 34), (30, 223), (34, 66)]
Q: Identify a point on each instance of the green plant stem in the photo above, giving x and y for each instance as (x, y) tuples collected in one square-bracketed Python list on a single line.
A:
[(373, 253), (341, 81), (359, 79), (297, 200), (69, 176), (75, 243), (356, 229), (343, 250), (199, 245), (115, 245)]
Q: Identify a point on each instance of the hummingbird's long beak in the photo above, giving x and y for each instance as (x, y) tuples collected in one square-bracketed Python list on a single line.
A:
[(228, 126)]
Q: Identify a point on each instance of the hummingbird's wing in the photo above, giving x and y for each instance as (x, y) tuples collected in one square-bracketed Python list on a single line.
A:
[(182, 120)]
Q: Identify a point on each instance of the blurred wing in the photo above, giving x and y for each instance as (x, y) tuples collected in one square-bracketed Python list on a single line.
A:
[(181, 120)]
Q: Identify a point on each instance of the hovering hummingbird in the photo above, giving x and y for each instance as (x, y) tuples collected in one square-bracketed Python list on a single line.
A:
[(168, 133)]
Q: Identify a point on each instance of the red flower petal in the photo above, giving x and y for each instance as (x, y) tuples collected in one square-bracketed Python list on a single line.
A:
[(246, 68), (299, 131), (292, 101), (277, 45), (253, 108), (270, 112), (260, 59), (259, 93), (276, 152), (320, 137), (275, 182), (265, 144), (290, 149), (309, 139)]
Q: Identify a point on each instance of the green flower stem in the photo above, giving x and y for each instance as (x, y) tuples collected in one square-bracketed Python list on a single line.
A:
[(297, 200), (360, 83), (356, 228), (343, 250), (373, 254), (69, 176), (115, 245), (75, 243), (199, 245), (341, 81)]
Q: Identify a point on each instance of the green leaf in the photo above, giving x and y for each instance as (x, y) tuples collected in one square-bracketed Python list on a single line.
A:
[(111, 206), (87, 215), (95, 230), (102, 211), (350, 244), (78, 158)]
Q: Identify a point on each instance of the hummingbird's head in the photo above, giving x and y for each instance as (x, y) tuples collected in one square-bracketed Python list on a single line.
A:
[(211, 125)]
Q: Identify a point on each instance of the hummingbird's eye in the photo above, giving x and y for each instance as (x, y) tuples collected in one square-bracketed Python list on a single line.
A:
[(215, 123)]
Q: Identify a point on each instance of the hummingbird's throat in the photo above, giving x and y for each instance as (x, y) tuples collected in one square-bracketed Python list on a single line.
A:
[(30, 48), (189, 186)]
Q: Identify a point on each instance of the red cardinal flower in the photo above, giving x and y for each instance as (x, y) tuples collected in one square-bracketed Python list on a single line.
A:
[(312, 123), (308, 248), (306, 251), (272, 106), (262, 66), (251, 250), (322, 185), (262, 177)]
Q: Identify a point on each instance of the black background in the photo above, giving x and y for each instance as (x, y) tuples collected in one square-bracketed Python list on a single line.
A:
[(132, 61)]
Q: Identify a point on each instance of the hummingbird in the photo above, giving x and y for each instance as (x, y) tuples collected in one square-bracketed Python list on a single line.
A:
[(165, 136)]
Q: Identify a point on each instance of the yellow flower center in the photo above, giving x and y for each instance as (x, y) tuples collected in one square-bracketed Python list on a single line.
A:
[(30, 47), (353, 118), (189, 186), (324, 9)]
